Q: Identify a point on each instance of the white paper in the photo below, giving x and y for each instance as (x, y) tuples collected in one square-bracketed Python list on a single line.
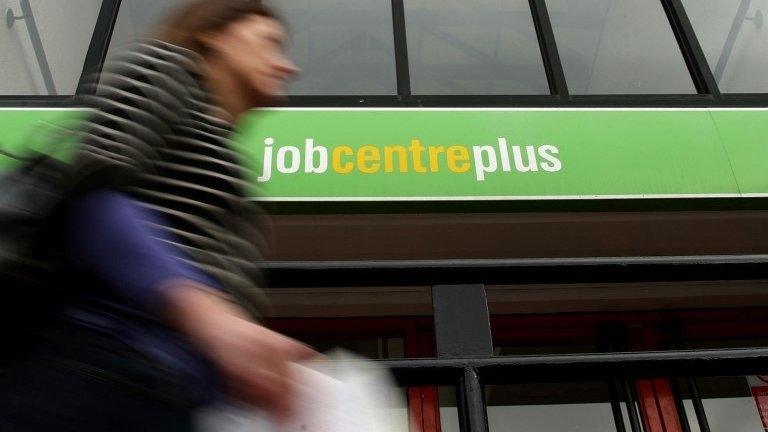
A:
[(347, 394)]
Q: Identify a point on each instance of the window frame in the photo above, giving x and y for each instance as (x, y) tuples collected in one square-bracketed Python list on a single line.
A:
[(92, 64), (709, 94)]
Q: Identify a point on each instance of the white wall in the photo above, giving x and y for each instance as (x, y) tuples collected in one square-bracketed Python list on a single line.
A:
[(65, 28)]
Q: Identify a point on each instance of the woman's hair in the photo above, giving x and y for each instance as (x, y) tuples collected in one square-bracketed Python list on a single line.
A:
[(184, 26)]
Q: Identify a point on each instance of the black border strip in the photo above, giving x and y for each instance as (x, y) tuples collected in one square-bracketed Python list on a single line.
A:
[(287, 274)]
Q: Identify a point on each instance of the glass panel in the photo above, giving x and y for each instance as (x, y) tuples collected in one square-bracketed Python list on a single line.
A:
[(138, 18), (552, 407), (344, 47), (734, 37), (476, 47), (43, 49), (530, 407), (728, 404), (618, 47), (449, 415)]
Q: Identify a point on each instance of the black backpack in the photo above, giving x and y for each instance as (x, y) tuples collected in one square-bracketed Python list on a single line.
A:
[(31, 195)]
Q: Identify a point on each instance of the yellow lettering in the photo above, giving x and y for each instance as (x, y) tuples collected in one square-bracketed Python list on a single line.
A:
[(346, 167), (389, 156), (368, 159), (434, 157), (416, 150), (458, 159)]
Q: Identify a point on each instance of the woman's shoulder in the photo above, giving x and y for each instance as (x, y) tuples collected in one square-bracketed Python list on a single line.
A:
[(152, 56)]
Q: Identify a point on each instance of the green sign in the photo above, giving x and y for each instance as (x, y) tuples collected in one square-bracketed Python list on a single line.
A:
[(489, 154)]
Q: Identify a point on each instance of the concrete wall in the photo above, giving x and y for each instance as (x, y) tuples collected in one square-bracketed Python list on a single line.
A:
[(65, 29)]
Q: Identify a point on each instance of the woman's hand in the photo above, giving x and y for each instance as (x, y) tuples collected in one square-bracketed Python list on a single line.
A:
[(252, 360)]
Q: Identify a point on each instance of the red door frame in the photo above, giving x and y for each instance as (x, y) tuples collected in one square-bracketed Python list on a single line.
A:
[(651, 330), (647, 331)]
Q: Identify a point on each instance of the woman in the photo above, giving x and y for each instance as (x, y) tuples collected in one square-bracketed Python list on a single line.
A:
[(161, 241)]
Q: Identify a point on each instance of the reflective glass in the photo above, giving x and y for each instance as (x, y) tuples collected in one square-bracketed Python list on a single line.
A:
[(475, 47), (551, 407), (618, 47), (730, 403), (138, 18), (43, 45), (734, 37), (344, 47)]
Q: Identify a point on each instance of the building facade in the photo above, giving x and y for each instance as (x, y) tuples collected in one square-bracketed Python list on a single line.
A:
[(545, 215)]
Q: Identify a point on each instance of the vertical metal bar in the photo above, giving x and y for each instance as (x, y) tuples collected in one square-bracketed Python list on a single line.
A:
[(470, 404), (690, 47), (618, 416), (629, 396), (401, 49), (678, 394), (548, 45), (37, 47), (698, 406), (97, 49), (469, 336)]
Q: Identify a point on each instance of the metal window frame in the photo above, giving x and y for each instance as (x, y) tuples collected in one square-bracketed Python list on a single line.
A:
[(708, 93), (99, 46), (94, 59)]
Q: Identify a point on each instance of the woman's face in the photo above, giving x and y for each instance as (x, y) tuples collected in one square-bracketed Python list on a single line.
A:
[(252, 50)]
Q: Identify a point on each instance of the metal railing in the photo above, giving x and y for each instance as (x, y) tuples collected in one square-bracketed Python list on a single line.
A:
[(617, 369)]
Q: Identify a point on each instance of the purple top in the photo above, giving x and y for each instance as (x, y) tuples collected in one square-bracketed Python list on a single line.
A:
[(115, 239)]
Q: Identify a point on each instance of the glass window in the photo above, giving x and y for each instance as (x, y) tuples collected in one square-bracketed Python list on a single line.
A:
[(734, 37), (550, 407), (344, 47), (477, 47), (730, 403), (43, 45), (138, 18), (449, 414), (618, 47)]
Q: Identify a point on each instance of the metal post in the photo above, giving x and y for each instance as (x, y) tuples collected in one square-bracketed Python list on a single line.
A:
[(548, 45), (37, 44), (97, 50), (618, 416), (401, 49), (629, 395), (698, 406), (470, 404), (462, 327), (694, 56), (680, 405)]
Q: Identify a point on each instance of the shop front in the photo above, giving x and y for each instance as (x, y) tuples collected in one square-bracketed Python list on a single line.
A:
[(543, 216)]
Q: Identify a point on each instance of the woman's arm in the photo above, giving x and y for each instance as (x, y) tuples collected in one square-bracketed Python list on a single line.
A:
[(113, 237)]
